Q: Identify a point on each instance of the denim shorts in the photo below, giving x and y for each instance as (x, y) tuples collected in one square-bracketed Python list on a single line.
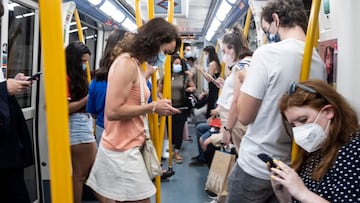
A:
[(99, 130), (81, 128)]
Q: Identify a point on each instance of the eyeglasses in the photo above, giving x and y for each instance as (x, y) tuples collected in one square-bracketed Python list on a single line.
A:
[(294, 85)]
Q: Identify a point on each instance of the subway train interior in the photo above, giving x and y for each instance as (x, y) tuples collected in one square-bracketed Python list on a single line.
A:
[(199, 22)]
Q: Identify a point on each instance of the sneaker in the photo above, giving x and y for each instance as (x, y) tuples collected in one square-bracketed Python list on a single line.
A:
[(197, 162), (178, 159)]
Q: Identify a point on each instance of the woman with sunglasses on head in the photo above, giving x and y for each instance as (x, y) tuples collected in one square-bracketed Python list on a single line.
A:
[(327, 167), (119, 173)]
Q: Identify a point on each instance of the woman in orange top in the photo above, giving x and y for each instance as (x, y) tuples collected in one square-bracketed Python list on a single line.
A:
[(119, 172)]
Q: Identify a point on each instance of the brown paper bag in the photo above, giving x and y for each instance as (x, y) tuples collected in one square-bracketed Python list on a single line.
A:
[(218, 173)]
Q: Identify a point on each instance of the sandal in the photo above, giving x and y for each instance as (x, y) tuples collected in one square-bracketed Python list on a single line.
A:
[(166, 174), (178, 159)]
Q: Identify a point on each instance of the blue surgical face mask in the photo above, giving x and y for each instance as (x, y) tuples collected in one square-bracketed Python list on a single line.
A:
[(177, 68), (188, 54), (84, 67), (161, 59)]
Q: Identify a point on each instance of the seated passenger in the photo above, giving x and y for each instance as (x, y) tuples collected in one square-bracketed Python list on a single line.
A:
[(327, 168)]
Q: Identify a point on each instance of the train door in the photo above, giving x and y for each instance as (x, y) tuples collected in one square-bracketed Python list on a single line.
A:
[(20, 45)]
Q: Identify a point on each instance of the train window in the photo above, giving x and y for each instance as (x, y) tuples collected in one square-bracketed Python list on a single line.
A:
[(21, 45)]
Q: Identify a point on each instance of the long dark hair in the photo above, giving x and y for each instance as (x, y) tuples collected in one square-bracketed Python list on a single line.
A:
[(78, 80), (213, 56), (146, 43), (101, 74)]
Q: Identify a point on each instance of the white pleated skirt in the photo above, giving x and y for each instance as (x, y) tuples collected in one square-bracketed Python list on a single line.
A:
[(120, 176)]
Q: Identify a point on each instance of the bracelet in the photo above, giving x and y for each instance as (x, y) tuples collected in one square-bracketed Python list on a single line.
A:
[(154, 107), (227, 129)]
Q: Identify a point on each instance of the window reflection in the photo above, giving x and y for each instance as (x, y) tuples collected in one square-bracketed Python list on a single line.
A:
[(21, 45)]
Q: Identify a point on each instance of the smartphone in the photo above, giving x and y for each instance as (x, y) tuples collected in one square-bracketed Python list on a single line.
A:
[(266, 158), (183, 108), (36, 76)]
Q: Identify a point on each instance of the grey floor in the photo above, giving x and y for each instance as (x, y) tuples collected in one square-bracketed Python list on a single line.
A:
[(187, 185)]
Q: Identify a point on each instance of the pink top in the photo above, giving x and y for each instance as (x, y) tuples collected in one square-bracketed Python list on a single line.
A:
[(122, 135)]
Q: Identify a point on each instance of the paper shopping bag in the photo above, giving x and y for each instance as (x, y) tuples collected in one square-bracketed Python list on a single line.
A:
[(218, 173)]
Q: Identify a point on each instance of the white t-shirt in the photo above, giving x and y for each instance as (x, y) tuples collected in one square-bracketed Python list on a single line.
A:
[(227, 92), (1, 76), (274, 67)]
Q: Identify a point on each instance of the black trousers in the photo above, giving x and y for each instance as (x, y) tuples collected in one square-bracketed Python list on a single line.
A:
[(178, 121), (12, 186)]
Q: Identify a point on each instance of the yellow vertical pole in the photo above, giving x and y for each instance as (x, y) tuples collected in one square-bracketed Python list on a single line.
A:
[(309, 44), (170, 11), (138, 13), (317, 35), (181, 54), (55, 98), (222, 74), (151, 9), (167, 82), (81, 38), (247, 22)]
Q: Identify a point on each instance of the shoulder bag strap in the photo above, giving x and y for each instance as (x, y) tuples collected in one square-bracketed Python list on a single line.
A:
[(142, 100)]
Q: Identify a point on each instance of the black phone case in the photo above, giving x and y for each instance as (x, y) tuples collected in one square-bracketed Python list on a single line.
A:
[(266, 158)]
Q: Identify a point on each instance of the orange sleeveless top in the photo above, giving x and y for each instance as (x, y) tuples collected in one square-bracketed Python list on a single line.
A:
[(121, 135)]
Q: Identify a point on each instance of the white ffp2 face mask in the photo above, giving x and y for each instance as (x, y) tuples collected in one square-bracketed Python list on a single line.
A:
[(227, 59), (310, 136)]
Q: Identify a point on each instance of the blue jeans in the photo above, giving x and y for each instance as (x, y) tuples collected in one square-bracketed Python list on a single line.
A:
[(202, 129)]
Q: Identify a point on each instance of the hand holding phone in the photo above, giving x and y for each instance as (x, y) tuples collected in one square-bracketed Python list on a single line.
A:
[(267, 159), (36, 76)]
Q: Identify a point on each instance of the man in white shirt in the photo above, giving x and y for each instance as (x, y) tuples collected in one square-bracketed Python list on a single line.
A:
[(274, 66)]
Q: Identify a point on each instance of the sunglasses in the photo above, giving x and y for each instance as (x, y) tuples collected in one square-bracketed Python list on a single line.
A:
[(294, 85)]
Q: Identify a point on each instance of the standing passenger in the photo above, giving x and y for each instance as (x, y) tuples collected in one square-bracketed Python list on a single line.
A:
[(273, 68), (210, 76), (97, 89), (328, 163), (237, 57), (83, 145), (119, 172), (181, 85), (16, 151)]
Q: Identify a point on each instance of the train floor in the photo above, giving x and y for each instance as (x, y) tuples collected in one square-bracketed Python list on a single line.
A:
[(187, 185)]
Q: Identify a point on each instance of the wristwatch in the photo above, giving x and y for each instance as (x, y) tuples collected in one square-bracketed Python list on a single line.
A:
[(227, 129)]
